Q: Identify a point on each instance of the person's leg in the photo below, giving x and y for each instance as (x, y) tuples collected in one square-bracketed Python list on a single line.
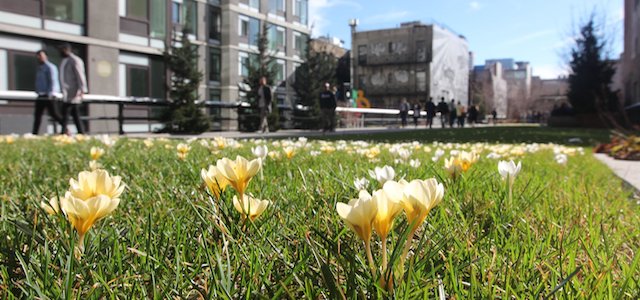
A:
[(76, 118), (332, 120), (63, 121), (37, 115)]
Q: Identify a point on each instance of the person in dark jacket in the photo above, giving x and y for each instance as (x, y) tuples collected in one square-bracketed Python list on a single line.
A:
[(443, 109), (431, 112), (453, 113), (473, 115), (328, 106), (264, 104)]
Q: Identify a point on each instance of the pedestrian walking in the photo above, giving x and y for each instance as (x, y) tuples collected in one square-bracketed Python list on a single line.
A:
[(443, 109), (461, 110), (453, 113), (416, 113), (404, 112), (74, 86), (47, 86), (494, 116), (264, 103), (328, 106), (473, 115), (431, 112)]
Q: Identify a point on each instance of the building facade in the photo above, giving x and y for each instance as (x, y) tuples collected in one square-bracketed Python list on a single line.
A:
[(631, 55), (413, 62), (489, 89), (122, 43)]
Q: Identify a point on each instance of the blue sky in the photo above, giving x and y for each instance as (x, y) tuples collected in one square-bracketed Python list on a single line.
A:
[(538, 31)]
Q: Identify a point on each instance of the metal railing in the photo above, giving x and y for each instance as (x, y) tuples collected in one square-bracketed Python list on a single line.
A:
[(349, 116)]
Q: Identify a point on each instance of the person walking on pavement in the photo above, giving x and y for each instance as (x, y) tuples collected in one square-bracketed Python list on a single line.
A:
[(473, 115), (404, 112), (74, 86), (443, 109), (264, 103), (431, 112), (47, 85), (416, 113), (328, 106), (453, 112), (462, 114)]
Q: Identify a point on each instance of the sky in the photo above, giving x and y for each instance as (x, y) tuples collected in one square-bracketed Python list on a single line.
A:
[(538, 31)]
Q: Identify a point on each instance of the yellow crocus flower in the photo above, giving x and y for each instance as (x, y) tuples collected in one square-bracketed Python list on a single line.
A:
[(96, 153), (250, 206), (93, 196), (238, 172), (215, 181), (420, 196)]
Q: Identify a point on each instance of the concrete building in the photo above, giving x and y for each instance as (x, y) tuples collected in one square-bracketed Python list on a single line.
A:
[(631, 56), (547, 94), (329, 45), (489, 89), (415, 61), (122, 43)]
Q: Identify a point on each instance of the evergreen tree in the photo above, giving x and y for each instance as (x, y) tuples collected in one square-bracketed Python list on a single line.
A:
[(591, 73), (310, 77), (261, 66), (185, 114)]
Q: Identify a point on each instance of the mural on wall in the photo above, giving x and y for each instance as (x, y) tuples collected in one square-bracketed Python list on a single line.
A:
[(450, 66)]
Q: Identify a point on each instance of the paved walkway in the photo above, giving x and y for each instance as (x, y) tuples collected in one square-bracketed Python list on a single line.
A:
[(294, 133), (629, 171)]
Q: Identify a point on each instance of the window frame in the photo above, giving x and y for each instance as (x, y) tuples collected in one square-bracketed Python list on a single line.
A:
[(219, 57), (43, 13), (128, 68), (211, 10)]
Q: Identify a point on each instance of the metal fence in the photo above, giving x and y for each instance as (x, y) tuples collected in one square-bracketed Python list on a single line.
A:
[(347, 116)]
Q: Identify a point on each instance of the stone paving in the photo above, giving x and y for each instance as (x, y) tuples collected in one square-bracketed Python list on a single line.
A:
[(629, 171)]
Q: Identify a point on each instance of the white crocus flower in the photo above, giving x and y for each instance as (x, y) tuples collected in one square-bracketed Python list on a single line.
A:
[(383, 174), (361, 183), (414, 163), (509, 170), (561, 158), (260, 151)]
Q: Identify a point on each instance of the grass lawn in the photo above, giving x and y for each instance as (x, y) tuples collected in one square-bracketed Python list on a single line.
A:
[(567, 231)]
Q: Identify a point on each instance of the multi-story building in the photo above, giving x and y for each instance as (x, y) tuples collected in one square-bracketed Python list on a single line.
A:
[(631, 55), (415, 62), (489, 88), (122, 43)]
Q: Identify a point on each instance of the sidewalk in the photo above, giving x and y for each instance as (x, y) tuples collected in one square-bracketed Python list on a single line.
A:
[(629, 171), (294, 133)]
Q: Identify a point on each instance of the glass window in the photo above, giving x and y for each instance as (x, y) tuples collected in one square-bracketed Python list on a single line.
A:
[(23, 67), (276, 6), (276, 37), (191, 16), (243, 28), (138, 81), (214, 64), (254, 4), (158, 19), (137, 9), (65, 10), (158, 78), (215, 23), (280, 70), (176, 13), (254, 31), (300, 10), (243, 63), (300, 41)]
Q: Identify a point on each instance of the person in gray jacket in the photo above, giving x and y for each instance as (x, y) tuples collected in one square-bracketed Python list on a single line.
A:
[(74, 86)]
